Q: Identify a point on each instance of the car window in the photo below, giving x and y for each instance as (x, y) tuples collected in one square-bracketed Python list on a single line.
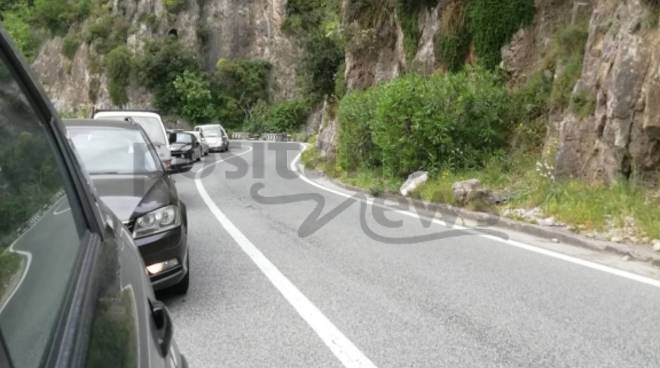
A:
[(212, 131), (182, 138), (39, 236), (113, 150)]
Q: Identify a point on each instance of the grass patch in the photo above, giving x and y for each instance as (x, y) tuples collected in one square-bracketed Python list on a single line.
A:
[(572, 202), (10, 263), (371, 180)]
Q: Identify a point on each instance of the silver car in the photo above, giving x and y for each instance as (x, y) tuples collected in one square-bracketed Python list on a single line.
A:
[(202, 140), (215, 136)]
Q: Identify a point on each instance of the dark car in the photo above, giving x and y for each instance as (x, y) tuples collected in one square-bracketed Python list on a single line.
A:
[(186, 145), (128, 176), (73, 288)]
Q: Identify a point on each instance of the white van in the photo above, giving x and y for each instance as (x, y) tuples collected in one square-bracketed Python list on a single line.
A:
[(150, 122)]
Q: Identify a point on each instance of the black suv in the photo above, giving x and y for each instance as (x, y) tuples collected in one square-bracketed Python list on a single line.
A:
[(73, 287)]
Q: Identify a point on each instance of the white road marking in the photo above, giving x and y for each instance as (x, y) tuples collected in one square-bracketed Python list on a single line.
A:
[(581, 262), (347, 353), (28, 263)]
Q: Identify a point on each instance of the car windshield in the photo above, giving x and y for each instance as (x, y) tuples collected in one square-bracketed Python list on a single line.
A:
[(152, 126), (113, 150), (181, 138), (212, 131)]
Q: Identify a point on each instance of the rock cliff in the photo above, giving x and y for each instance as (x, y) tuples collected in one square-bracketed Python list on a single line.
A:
[(215, 29), (622, 71)]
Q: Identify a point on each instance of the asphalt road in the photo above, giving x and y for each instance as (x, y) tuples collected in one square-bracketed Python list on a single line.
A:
[(363, 290)]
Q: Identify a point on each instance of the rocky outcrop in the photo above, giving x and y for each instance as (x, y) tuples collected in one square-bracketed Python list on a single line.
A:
[(375, 50), (429, 20), (622, 72), (231, 29), (326, 142), (253, 29)]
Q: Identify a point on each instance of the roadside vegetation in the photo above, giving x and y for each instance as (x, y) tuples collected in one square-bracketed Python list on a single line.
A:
[(10, 264), (467, 121)]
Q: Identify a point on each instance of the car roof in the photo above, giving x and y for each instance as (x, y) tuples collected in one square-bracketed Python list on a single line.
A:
[(101, 123), (135, 113), (208, 125)]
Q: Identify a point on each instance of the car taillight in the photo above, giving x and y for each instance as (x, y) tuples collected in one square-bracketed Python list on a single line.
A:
[(167, 163)]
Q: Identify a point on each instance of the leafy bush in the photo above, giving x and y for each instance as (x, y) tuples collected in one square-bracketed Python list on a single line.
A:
[(237, 85), (70, 45), (283, 117), (452, 43), (58, 16), (408, 11), (175, 6), (355, 146), (305, 15), (569, 55), (319, 66), (17, 21), (583, 104), (493, 22), (119, 64), (452, 120), (194, 95), (163, 61), (315, 25)]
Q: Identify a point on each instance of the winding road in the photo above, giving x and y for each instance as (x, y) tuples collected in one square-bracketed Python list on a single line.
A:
[(288, 270)]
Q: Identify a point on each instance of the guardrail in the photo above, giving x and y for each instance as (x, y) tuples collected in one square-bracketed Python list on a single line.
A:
[(270, 137)]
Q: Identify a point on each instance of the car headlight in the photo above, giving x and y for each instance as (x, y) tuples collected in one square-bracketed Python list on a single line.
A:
[(186, 148), (157, 221)]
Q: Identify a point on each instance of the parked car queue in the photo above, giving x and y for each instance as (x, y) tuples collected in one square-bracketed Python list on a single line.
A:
[(91, 223)]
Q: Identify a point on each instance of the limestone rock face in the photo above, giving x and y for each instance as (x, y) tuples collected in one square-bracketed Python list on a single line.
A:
[(622, 72), (326, 142), (234, 29), (374, 53)]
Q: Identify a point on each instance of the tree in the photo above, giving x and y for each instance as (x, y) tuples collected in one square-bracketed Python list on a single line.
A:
[(194, 97), (119, 64)]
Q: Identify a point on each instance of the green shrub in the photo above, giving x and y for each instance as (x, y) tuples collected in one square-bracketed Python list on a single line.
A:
[(162, 62), (493, 22), (409, 11), (17, 22), (583, 104), (70, 45), (451, 120), (532, 98), (59, 15), (175, 6), (340, 81), (319, 66), (119, 64), (452, 42), (283, 117), (305, 15), (194, 97), (355, 146), (315, 26), (237, 85)]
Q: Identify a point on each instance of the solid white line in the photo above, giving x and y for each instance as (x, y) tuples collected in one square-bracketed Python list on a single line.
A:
[(347, 353), (581, 262), (25, 254)]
